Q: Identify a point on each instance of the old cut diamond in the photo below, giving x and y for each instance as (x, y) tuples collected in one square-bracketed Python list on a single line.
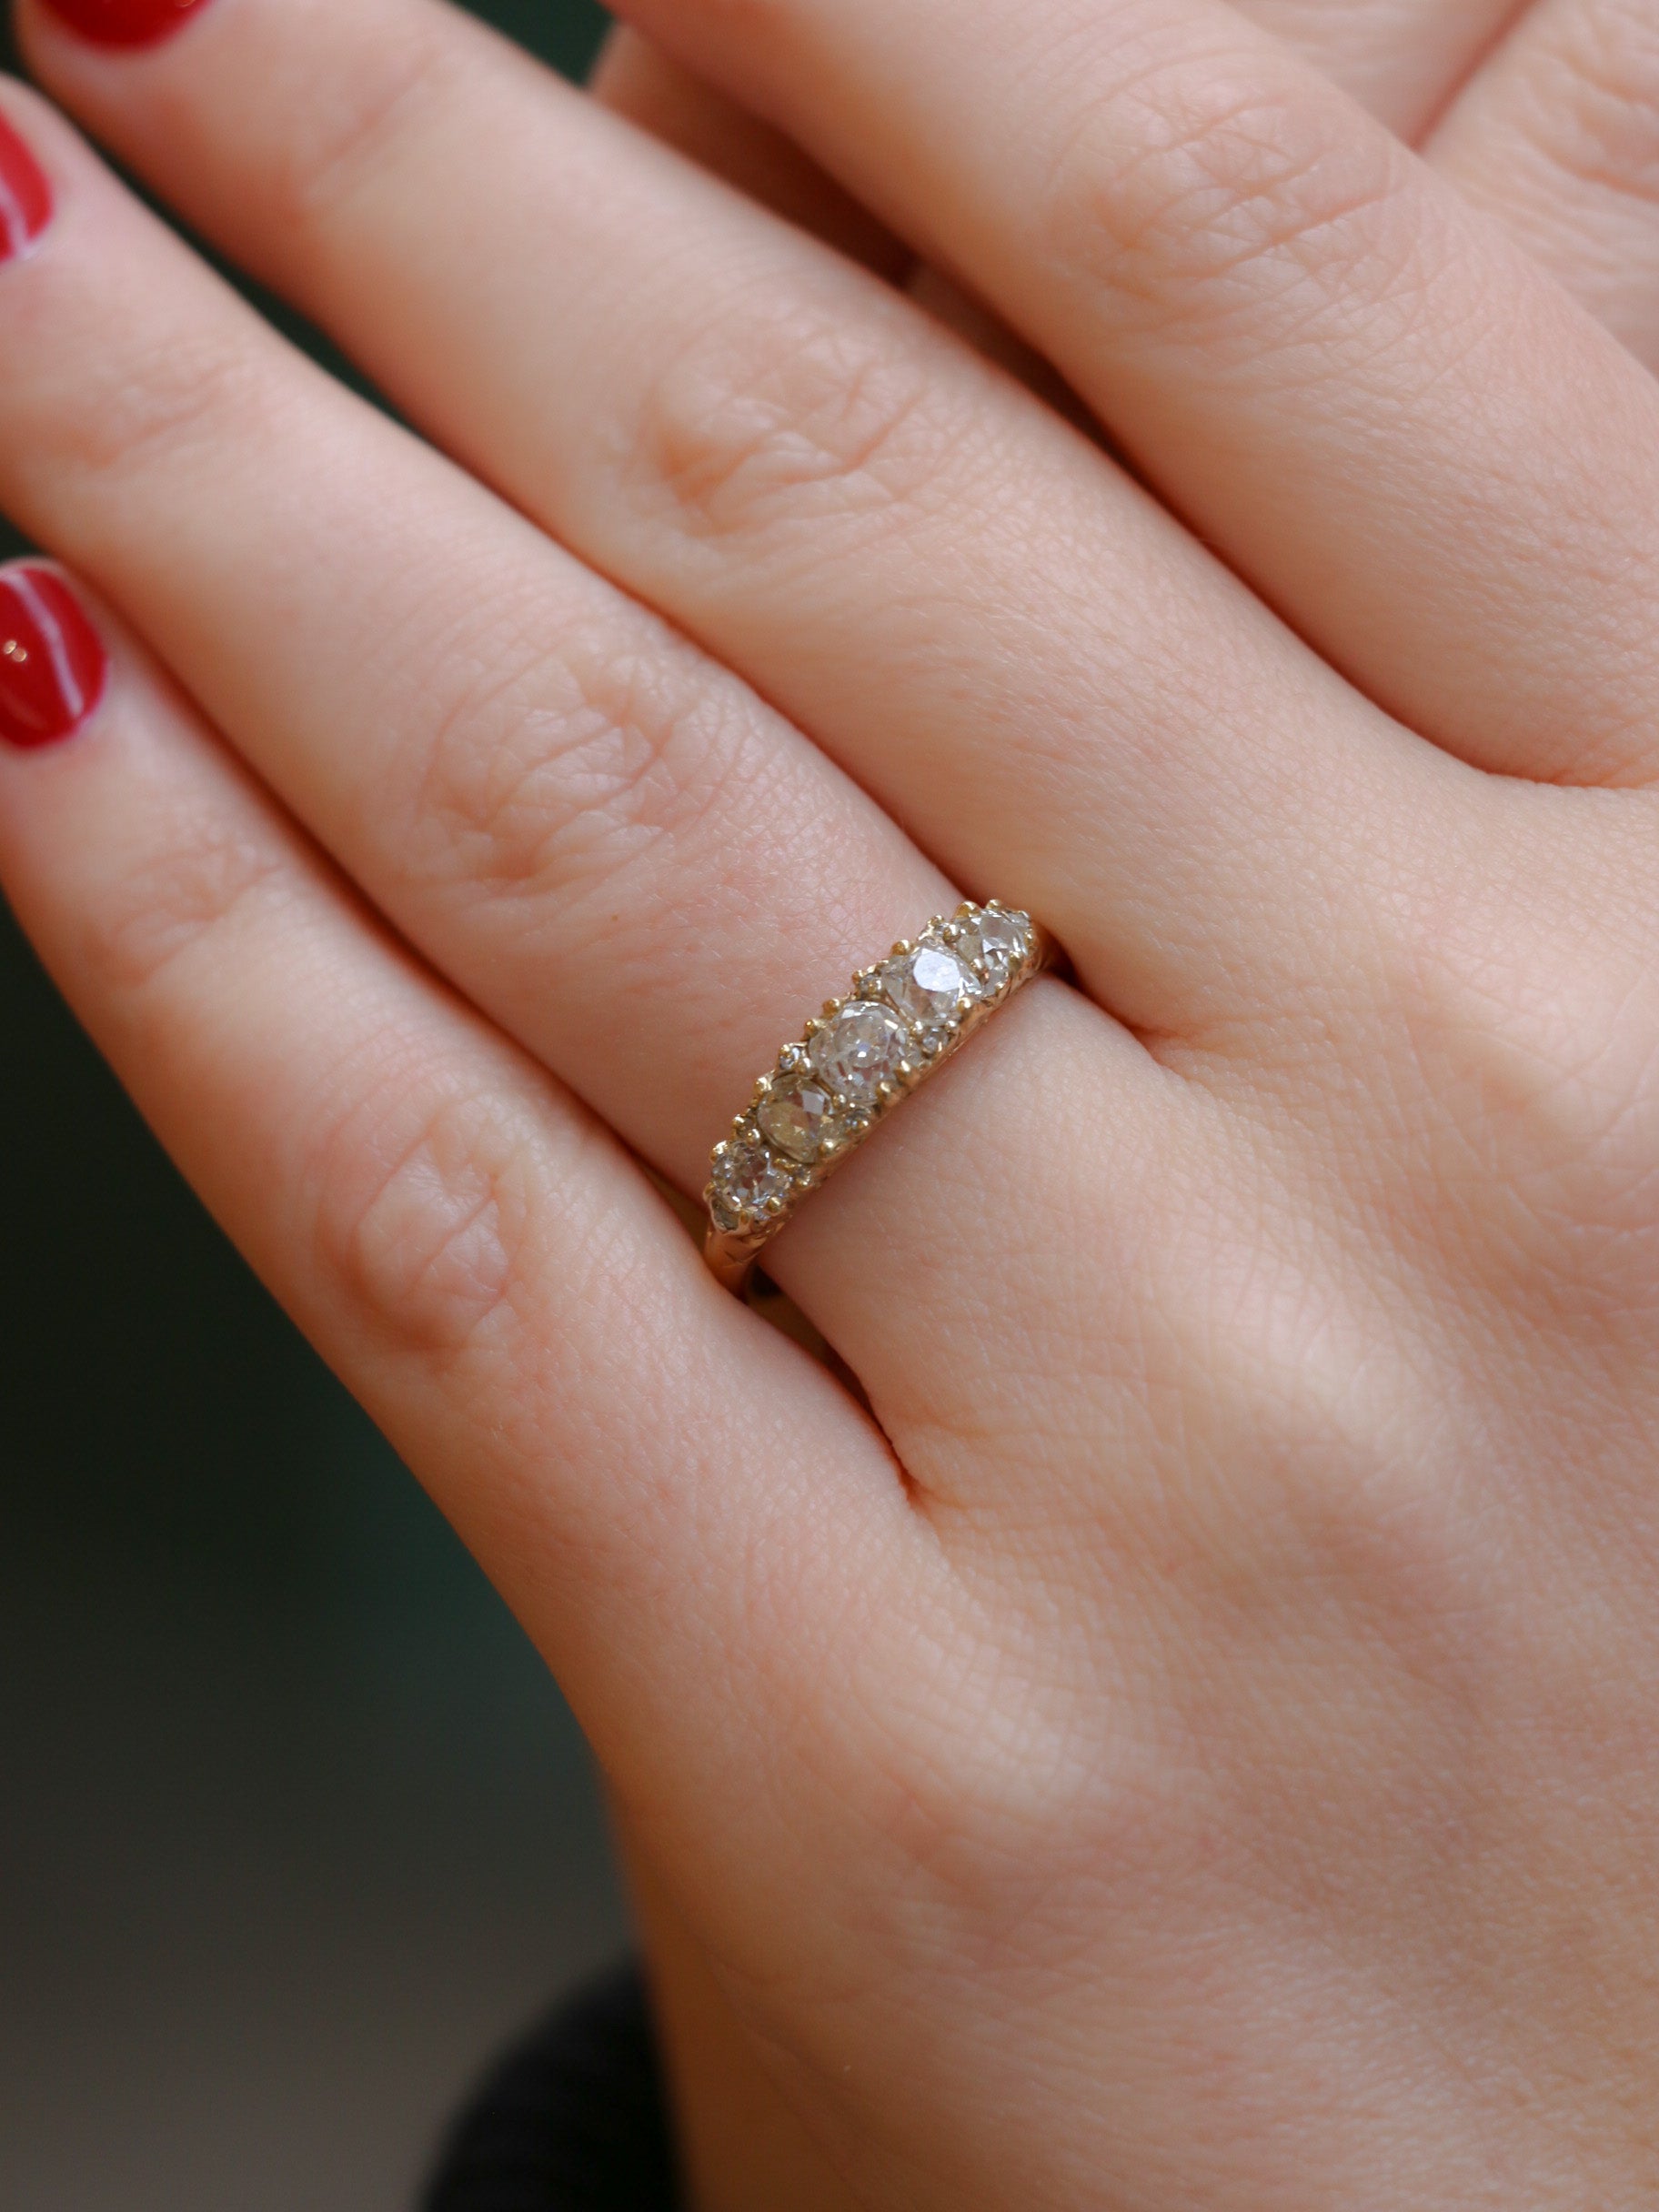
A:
[(1002, 940), (859, 1051), (798, 1114), (928, 986), (745, 1179)]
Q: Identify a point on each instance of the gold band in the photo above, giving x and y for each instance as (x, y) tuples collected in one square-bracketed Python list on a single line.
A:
[(902, 1019)]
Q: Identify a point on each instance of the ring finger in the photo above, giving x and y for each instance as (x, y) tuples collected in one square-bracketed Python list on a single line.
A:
[(1378, 410), (608, 843), (484, 1267)]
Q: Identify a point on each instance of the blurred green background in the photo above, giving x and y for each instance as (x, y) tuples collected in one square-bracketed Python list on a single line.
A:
[(293, 1829)]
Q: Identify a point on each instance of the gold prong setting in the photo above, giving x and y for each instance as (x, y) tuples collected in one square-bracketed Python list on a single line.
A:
[(853, 1063)]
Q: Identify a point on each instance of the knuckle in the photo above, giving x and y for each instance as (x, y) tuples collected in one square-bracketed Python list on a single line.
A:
[(202, 873), (572, 767), (1200, 188), (157, 398), (1537, 1048), (783, 417), (425, 1213), (355, 114), (1590, 101)]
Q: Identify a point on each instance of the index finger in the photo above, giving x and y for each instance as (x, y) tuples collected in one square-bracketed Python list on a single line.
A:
[(1383, 413)]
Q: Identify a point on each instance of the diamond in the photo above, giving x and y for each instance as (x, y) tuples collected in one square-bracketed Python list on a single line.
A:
[(929, 986), (798, 1114), (859, 1049), (745, 1178), (1002, 940)]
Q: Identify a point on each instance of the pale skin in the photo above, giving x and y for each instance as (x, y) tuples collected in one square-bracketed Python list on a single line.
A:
[(1192, 1748)]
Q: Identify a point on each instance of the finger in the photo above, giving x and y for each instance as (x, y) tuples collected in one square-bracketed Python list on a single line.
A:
[(888, 541), (529, 748), (1386, 416), (1402, 59), (637, 80), (1558, 137), (619, 1441), (606, 841)]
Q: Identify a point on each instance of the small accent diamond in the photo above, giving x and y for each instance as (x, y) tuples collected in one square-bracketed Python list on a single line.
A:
[(859, 1049), (745, 1177)]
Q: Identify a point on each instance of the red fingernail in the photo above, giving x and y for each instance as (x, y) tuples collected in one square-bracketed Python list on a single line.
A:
[(125, 23), (53, 665), (25, 197)]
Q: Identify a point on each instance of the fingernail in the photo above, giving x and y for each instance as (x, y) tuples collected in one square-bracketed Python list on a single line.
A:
[(125, 23), (53, 665), (26, 196)]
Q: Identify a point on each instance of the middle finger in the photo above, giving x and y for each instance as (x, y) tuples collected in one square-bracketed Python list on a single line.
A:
[(1036, 671)]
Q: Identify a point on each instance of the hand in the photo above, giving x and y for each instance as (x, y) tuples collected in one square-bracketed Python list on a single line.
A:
[(1218, 1773)]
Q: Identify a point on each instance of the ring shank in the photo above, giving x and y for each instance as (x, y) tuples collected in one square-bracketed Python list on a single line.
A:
[(731, 1257)]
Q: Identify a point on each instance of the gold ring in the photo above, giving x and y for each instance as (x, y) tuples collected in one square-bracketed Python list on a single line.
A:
[(902, 1019)]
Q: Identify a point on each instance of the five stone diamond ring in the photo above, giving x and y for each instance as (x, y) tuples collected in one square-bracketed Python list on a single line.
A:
[(902, 1019)]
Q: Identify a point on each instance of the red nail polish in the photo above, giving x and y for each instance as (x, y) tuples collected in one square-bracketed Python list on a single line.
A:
[(125, 23), (53, 665), (26, 196)]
